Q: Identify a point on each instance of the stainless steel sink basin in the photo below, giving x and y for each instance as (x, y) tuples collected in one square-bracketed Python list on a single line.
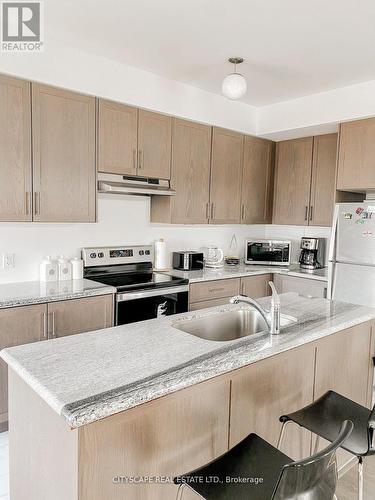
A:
[(228, 325)]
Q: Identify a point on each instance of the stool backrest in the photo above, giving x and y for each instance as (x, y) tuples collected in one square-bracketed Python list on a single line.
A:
[(371, 431), (314, 478)]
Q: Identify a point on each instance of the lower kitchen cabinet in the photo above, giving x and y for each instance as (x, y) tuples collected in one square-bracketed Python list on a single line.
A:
[(304, 286), (212, 293), (21, 325), (174, 434), (69, 317), (18, 325), (256, 286), (264, 391)]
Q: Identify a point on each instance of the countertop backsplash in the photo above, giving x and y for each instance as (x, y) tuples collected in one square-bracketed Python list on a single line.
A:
[(125, 220)]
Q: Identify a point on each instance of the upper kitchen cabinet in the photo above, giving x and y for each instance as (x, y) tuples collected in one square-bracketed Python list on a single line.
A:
[(323, 180), (117, 138), (257, 181), (190, 176), (226, 176), (356, 161), (64, 171), (154, 145), (292, 181), (305, 181), (15, 147)]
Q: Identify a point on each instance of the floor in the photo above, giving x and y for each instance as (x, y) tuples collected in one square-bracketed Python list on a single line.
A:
[(347, 489)]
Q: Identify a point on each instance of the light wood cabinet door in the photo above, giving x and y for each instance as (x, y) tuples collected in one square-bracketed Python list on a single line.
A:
[(226, 176), (154, 144), (191, 154), (292, 181), (18, 325), (265, 390), (167, 437), (214, 289), (117, 138), (257, 181), (306, 287), (15, 150), (323, 179), (64, 172), (256, 286), (356, 161), (69, 317)]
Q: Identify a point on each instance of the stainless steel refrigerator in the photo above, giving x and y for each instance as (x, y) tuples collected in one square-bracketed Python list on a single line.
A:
[(351, 272)]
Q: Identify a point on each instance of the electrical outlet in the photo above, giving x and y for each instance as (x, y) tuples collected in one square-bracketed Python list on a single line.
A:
[(9, 261)]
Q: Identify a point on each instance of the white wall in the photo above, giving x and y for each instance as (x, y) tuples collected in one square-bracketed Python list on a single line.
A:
[(122, 220), (316, 113)]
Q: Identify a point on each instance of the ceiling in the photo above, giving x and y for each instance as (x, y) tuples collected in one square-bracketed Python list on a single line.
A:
[(291, 48)]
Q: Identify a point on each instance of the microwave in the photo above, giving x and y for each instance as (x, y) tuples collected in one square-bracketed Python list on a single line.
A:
[(268, 252)]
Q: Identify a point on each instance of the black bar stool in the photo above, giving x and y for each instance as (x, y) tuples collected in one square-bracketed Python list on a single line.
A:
[(324, 417), (254, 469)]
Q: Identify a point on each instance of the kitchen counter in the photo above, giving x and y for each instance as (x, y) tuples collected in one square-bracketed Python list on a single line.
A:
[(208, 274), (37, 292), (94, 375)]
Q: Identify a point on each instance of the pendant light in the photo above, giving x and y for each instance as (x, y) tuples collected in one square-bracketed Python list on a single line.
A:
[(234, 85)]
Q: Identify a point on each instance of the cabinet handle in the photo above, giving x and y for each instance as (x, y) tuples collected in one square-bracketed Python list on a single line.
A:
[(243, 211), (212, 210), (134, 159), (36, 203), (207, 210), (140, 159), (51, 322), (311, 212), (27, 203), (216, 289), (306, 212), (45, 327)]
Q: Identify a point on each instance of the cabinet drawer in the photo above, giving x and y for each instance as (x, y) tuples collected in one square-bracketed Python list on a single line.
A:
[(214, 289), (209, 303)]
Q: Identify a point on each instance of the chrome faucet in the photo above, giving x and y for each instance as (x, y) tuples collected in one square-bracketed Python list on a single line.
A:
[(272, 318)]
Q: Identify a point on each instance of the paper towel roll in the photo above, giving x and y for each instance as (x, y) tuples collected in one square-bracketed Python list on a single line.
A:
[(160, 259)]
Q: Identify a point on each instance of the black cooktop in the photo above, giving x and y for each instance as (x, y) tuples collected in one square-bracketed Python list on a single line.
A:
[(131, 277)]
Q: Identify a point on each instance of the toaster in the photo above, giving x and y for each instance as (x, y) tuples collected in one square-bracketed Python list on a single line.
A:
[(188, 261)]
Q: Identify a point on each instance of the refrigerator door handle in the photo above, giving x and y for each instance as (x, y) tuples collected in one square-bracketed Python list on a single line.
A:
[(332, 243), (331, 280)]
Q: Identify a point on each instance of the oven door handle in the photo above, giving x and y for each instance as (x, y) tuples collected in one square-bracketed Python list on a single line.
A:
[(123, 297)]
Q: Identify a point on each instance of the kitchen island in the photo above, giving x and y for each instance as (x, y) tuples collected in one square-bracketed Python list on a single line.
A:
[(117, 412)]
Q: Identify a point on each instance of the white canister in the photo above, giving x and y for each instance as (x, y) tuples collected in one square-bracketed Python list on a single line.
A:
[(65, 269), (48, 270), (77, 268), (160, 259)]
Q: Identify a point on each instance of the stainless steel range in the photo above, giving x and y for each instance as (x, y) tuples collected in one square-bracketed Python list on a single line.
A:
[(141, 293)]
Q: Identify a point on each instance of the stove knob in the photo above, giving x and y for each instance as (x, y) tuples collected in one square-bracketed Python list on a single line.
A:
[(92, 255), (147, 252), (100, 255), (141, 252)]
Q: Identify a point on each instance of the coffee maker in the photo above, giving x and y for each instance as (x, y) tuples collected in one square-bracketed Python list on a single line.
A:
[(312, 253)]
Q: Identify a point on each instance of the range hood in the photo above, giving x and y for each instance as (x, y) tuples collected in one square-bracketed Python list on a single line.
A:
[(139, 186)]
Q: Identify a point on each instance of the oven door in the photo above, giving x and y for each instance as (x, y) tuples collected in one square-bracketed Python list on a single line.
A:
[(149, 304)]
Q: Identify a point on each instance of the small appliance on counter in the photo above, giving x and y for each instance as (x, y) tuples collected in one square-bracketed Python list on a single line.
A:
[(213, 257), (268, 252), (188, 260), (312, 253)]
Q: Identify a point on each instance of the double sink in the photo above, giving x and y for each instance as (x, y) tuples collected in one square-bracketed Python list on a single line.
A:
[(229, 325)]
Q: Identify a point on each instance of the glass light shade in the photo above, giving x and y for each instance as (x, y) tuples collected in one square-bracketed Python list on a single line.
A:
[(234, 86)]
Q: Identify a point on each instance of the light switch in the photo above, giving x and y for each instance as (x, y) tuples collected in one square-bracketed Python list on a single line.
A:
[(9, 261)]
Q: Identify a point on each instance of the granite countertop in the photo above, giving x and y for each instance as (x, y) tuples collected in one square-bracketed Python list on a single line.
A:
[(37, 292), (208, 274), (94, 375)]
